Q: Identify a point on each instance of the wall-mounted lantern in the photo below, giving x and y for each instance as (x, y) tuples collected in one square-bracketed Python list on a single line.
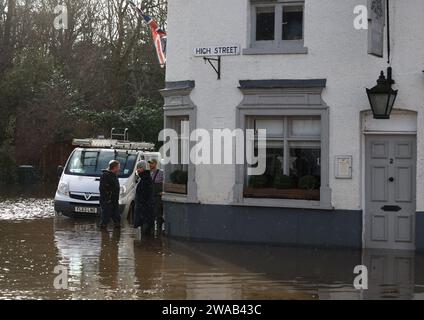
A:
[(382, 97)]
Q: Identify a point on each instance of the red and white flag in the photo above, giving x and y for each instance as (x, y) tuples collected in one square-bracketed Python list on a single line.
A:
[(159, 35)]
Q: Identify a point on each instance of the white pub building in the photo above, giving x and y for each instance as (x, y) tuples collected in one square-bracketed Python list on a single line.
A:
[(344, 166)]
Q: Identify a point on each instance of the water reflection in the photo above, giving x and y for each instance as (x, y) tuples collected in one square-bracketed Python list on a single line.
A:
[(101, 264), (392, 274), (109, 259), (115, 265)]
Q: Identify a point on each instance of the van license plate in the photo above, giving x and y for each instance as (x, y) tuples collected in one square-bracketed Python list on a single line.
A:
[(85, 210)]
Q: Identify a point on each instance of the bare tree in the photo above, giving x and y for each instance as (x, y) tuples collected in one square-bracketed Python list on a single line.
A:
[(104, 60)]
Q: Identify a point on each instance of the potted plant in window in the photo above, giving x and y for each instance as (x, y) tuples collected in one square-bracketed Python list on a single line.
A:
[(256, 186), (179, 179), (258, 182), (282, 181), (309, 184), (282, 186)]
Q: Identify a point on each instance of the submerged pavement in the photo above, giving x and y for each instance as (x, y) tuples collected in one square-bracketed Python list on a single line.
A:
[(116, 265)]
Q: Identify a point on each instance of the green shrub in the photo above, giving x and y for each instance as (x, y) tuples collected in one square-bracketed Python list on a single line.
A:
[(282, 181), (179, 177), (307, 183), (144, 120), (258, 182)]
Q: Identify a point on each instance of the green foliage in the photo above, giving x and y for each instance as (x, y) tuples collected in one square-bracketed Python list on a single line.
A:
[(179, 177), (20, 84), (78, 82), (307, 183), (282, 181), (7, 152), (144, 120), (258, 182), (7, 165), (18, 87)]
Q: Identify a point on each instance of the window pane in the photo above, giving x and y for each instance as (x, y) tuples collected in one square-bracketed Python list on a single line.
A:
[(274, 166), (91, 163), (176, 176), (265, 23), (127, 162), (305, 170), (272, 127), (178, 122), (292, 23), (305, 127), (294, 173)]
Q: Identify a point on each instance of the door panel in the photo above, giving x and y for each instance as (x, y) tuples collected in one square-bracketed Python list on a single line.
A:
[(390, 185), (380, 149), (403, 226), (404, 150), (379, 186), (403, 183), (379, 227)]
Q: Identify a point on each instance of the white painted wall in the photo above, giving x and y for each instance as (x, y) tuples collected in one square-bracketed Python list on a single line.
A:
[(337, 52)]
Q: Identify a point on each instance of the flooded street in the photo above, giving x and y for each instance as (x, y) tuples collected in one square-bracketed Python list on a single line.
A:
[(115, 265)]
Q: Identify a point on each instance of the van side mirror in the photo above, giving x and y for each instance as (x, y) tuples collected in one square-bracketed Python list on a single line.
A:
[(59, 171)]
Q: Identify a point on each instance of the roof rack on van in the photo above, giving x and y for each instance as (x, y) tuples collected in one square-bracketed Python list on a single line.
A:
[(113, 144)]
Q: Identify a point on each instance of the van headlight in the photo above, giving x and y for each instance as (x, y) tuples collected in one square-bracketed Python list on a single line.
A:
[(122, 191), (63, 189)]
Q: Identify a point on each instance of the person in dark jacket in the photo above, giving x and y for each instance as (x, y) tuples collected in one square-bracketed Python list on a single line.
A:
[(109, 195), (144, 203), (157, 178)]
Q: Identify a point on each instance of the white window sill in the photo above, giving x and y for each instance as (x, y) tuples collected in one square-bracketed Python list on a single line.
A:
[(275, 47), (175, 197), (275, 50)]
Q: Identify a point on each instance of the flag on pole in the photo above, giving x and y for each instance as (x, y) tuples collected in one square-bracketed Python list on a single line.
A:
[(159, 35)]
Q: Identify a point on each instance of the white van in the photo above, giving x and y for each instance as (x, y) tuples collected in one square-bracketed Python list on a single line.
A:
[(78, 193)]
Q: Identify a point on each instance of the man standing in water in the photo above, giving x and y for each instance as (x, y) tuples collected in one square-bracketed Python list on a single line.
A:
[(109, 195), (157, 178), (144, 200)]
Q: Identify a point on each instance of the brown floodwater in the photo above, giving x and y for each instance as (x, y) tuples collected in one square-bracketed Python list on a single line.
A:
[(117, 265)]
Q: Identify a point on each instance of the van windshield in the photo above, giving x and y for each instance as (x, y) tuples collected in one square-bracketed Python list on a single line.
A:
[(92, 162)]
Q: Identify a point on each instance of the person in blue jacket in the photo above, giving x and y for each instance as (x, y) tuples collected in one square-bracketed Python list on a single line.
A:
[(144, 200)]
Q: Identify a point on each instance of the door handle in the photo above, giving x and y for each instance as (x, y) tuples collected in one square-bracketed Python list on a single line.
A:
[(391, 179)]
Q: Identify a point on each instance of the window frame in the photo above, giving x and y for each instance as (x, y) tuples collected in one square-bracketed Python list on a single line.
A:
[(254, 25), (179, 105), (293, 5), (278, 45), (285, 102), (174, 122)]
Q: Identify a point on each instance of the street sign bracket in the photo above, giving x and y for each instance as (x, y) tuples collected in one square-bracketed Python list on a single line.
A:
[(217, 67)]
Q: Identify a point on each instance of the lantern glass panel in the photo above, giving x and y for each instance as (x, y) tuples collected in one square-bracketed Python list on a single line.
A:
[(391, 102), (379, 103)]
